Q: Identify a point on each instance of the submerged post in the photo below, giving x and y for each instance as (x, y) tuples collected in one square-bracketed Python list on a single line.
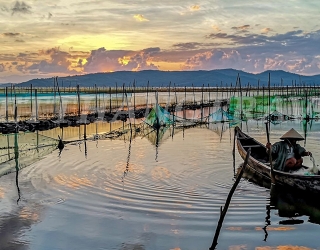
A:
[(223, 211)]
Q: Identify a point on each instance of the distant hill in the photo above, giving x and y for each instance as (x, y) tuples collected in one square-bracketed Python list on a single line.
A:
[(179, 78)]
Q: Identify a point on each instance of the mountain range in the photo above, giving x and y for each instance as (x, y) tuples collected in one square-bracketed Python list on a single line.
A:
[(157, 78)]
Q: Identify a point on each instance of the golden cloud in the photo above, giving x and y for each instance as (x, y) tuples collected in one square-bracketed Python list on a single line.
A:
[(216, 28), (266, 30), (195, 7), (140, 18)]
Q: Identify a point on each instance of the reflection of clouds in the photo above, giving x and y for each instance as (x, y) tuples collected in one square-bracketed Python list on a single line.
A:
[(27, 214), (235, 228), (288, 247), (277, 228), (120, 167), (1, 193), (238, 247), (73, 181), (160, 173), (260, 229)]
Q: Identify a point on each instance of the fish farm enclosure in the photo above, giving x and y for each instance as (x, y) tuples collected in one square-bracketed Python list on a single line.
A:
[(149, 168)]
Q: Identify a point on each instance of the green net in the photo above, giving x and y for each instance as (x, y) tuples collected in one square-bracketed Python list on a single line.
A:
[(159, 117), (22, 149)]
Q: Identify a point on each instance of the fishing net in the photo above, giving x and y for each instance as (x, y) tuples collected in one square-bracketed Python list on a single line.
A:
[(158, 116), (254, 107), (276, 117), (220, 116), (22, 149)]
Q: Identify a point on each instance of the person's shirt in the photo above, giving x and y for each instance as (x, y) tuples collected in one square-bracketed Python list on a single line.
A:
[(280, 154), (290, 153)]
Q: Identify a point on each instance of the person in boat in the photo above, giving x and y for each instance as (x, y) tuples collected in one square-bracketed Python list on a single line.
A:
[(287, 153)]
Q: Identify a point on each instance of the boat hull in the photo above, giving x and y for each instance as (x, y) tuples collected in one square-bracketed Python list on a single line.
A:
[(303, 182)]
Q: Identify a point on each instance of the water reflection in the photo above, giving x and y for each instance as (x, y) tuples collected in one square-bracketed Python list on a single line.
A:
[(290, 205), (16, 159), (19, 150)]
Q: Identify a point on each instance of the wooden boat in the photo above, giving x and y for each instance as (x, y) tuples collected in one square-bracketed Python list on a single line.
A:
[(258, 163)]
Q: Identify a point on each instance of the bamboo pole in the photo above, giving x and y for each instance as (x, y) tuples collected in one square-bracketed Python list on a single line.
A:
[(223, 211)]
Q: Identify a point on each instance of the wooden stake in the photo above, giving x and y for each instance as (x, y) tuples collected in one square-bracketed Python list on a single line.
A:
[(223, 211)]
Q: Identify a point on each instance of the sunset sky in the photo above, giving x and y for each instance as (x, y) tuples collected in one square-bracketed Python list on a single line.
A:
[(42, 38)]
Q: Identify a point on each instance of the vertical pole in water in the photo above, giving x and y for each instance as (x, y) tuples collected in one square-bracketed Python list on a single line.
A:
[(36, 103), (128, 112), (110, 108), (258, 87), (202, 103), (221, 90), (147, 107), (194, 97), (95, 87), (31, 100), (134, 98), (209, 98), (116, 95), (240, 92), (54, 96), (7, 115), (15, 109), (123, 95), (78, 94), (269, 98), (169, 102), (185, 101)]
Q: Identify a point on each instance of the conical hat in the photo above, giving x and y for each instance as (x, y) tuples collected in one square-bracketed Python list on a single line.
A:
[(292, 134)]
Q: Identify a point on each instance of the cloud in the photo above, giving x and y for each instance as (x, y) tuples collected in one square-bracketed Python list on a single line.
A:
[(55, 61), (266, 30), (102, 60), (189, 45), (22, 8), (255, 62), (10, 34), (140, 18), (193, 45), (242, 28), (214, 59), (216, 28), (2, 68), (4, 9), (195, 7)]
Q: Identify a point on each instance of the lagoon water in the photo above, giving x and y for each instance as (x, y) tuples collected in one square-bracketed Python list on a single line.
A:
[(140, 194)]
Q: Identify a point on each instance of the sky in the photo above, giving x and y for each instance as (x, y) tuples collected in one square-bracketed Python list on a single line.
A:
[(42, 38)]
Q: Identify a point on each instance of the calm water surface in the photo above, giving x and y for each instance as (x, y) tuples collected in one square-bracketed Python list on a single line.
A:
[(117, 194)]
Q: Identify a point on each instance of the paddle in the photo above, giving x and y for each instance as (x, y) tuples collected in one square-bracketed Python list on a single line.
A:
[(273, 181)]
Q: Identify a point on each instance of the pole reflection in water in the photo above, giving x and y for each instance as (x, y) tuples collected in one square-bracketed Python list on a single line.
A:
[(128, 158), (16, 159)]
